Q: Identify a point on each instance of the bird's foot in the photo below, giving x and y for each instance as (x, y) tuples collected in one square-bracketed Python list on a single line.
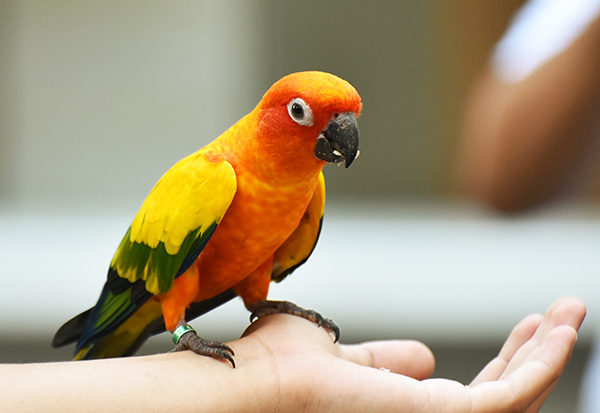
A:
[(189, 340), (265, 307)]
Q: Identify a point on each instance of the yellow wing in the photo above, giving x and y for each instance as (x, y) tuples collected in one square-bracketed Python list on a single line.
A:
[(297, 248), (175, 222)]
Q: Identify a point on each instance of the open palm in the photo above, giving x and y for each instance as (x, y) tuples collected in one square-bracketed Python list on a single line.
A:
[(317, 375)]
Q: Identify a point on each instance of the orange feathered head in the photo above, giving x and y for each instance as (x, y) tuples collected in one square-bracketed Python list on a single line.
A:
[(311, 114)]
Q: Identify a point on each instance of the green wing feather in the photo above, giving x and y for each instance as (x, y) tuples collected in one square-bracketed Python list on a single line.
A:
[(172, 227), (175, 222)]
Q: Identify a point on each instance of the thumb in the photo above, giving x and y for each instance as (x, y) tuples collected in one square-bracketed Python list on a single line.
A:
[(406, 357)]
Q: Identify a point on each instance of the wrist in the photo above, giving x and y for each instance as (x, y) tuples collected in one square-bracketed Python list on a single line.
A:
[(275, 380)]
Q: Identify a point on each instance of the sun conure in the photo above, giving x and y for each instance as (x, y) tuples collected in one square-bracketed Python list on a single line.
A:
[(226, 221)]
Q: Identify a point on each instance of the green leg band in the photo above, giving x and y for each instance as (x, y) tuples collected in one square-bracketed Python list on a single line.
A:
[(180, 331)]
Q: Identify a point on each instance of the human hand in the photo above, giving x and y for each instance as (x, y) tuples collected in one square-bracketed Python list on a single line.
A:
[(313, 374), (288, 364)]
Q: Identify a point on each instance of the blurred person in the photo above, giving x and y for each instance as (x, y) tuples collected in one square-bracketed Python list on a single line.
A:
[(287, 364), (532, 123), (531, 132)]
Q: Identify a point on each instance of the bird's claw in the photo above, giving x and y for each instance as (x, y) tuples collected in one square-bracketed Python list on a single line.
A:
[(265, 307), (191, 341)]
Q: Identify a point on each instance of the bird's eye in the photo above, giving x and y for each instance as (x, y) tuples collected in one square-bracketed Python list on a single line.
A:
[(300, 112), (297, 111)]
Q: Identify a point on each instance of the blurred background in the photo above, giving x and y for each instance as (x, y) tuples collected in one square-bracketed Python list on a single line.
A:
[(99, 98)]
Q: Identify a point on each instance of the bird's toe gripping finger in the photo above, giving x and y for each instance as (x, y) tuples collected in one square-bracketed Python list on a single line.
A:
[(327, 323), (265, 308), (191, 341)]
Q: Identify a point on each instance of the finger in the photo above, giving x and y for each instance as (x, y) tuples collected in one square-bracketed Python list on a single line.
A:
[(537, 404), (528, 383), (406, 357), (519, 336), (568, 311)]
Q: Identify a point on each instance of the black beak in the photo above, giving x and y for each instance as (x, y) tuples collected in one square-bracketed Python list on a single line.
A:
[(339, 140)]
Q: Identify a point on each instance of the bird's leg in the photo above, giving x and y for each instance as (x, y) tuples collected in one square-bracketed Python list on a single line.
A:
[(263, 308), (185, 338)]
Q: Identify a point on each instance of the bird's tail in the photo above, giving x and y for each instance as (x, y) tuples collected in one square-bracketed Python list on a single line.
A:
[(124, 341), (116, 325), (130, 334), (128, 337)]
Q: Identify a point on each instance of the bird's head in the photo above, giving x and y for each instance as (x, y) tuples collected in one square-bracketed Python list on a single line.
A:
[(310, 117)]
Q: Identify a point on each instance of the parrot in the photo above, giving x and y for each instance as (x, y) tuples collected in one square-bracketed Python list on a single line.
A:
[(224, 222)]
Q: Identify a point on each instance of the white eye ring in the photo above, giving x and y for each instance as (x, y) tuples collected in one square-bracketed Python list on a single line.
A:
[(300, 112)]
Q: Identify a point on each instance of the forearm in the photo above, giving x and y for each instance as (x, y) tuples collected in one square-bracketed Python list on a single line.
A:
[(288, 364), (524, 141), (168, 382)]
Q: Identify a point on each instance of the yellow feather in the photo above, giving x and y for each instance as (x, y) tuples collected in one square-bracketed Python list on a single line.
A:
[(194, 193), (192, 196)]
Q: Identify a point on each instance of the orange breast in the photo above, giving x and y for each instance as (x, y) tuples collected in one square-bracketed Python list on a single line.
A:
[(258, 221)]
